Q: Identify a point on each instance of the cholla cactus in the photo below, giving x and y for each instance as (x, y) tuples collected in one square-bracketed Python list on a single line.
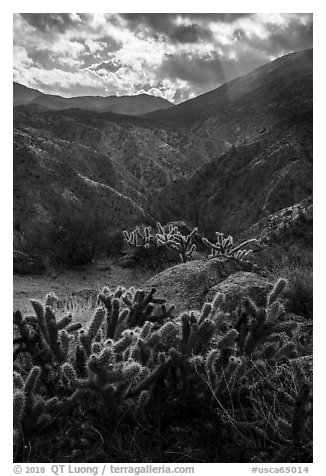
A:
[(137, 239), (133, 307), (224, 248), (262, 332), (132, 357), (87, 338), (54, 334), (29, 410), (42, 336), (169, 236), (174, 239)]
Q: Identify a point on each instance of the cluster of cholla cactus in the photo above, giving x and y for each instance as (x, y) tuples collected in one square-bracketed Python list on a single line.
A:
[(42, 338), (258, 359), (224, 248), (33, 411), (169, 236), (56, 360), (135, 354), (267, 333)]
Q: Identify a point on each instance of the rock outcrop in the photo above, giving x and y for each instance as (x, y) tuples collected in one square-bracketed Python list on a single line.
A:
[(238, 286), (26, 264), (186, 285)]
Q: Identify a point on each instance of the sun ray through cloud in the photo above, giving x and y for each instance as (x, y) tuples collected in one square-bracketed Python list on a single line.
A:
[(176, 56)]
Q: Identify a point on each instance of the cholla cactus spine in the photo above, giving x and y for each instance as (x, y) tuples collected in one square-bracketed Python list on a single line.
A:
[(96, 323), (19, 399), (276, 291)]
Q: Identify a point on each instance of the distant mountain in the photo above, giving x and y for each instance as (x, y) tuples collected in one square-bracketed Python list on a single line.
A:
[(240, 110), (131, 105), (23, 95)]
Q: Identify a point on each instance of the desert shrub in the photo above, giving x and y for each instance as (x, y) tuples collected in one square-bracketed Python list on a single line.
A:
[(114, 243), (72, 237), (300, 231), (288, 255), (153, 258), (137, 376)]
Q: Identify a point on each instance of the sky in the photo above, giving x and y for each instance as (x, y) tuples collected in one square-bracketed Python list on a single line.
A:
[(172, 55)]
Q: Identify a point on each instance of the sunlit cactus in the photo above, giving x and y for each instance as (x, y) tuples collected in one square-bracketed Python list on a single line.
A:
[(136, 359), (169, 236), (137, 239), (225, 248)]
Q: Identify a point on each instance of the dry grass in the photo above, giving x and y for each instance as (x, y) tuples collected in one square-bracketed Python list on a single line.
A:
[(68, 282), (299, 290)]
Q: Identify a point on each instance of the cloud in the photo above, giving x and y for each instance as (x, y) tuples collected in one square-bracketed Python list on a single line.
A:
[(181, 27), (176, 56), (52, 21), (191, 34)]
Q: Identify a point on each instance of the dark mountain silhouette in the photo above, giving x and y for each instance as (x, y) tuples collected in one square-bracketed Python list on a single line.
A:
[(131, 105)]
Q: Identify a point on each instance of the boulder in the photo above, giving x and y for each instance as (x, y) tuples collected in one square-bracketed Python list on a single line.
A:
[(27, 264), (186, 285), (239, 286)]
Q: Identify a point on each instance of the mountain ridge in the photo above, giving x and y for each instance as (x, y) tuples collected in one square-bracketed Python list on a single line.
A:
[(235, 86), (129, 105)]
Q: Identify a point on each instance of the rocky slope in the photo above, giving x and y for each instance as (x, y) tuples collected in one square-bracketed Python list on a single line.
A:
[(100, 160), (50, 174), (240, 110), (267, 117), (245, 184), (221, 161)]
